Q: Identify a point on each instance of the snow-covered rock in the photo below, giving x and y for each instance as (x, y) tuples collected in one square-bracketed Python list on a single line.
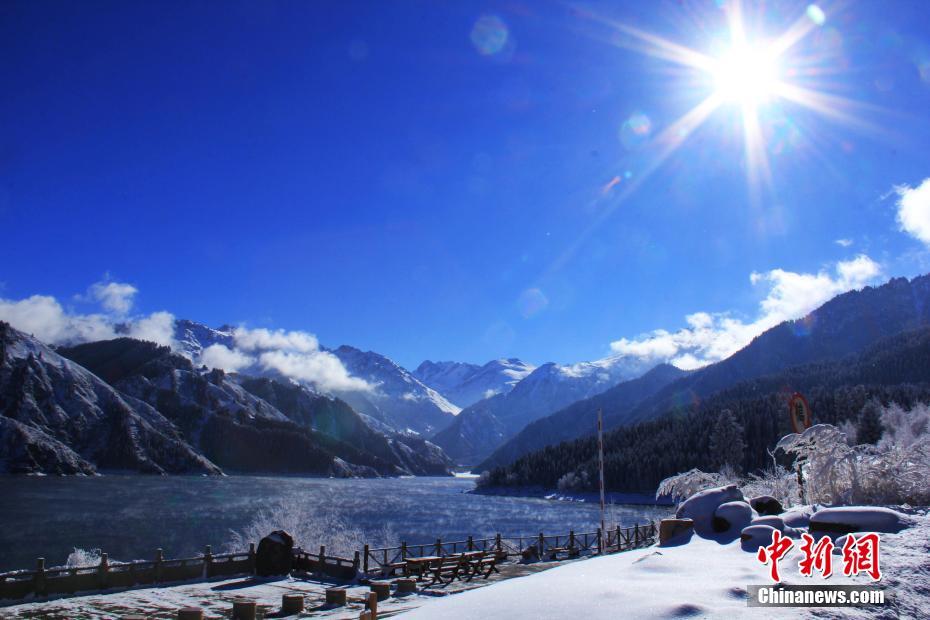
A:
[(701, 507), (772, 521), (732, 516), (766, 505), (846, 519), (755, 536), (798, 516)]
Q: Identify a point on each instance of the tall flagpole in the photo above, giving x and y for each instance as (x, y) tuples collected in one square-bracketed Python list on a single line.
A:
[(600, 459)]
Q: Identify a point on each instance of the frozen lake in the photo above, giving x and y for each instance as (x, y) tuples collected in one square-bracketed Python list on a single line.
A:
[(130, 516)]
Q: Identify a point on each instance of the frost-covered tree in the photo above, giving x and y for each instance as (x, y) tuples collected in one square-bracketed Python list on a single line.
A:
[(894, 471), (869, 429), (726, 441)]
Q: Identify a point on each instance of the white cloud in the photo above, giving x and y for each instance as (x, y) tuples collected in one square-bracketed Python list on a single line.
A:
[(261, 339), (845, 243), (319, 367), (710, 337), (115, 297), (294, 354), (157, 327), (914, 210), (221, 356), (46, 319)]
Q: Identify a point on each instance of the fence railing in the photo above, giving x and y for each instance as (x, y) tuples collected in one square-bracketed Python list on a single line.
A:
[(119, 575), (43, 581), (385, 560)]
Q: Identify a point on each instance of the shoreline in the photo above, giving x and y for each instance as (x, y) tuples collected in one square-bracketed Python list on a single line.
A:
[(633, 499)]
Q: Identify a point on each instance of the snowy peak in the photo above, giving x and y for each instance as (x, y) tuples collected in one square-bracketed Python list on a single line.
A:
[(465, 384), (398, 398)]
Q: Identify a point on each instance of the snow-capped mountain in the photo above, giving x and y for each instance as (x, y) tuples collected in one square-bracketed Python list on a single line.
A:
[(545, 390), (396, 402), (465, 384), (397, 399)]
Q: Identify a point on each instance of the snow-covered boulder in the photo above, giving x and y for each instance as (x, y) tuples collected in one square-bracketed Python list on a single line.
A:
[(799, 516), (766, 505), (755, 536), (772, 521), (700, 507), (846, 519), (732, 516)]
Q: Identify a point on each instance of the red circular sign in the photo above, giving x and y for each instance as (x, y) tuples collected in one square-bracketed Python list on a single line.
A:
[(800, 413)]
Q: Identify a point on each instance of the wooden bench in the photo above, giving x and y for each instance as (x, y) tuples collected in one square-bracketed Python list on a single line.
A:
[(486, 564), (449, 568)]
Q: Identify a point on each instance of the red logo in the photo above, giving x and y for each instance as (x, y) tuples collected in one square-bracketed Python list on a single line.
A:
[(860, 555), (774, 552)]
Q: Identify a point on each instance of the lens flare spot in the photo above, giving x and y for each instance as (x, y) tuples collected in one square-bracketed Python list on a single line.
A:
[(610, 185), (635, 130), (489, 35), (923, 68), (816, 14), (532, 302)]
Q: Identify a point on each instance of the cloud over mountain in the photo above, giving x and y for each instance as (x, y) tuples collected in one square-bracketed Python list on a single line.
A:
[(294, 354), (710, 337), (914, 210)]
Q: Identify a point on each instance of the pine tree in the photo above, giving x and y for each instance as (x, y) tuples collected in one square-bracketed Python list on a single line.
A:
[(870, 423), (726, 441)]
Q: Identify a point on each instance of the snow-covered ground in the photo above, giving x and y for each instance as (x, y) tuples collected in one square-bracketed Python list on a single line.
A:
[(702, 578)]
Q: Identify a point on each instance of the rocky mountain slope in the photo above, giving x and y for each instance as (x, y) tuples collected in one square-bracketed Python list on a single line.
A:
[(580, 418), (57, 417)]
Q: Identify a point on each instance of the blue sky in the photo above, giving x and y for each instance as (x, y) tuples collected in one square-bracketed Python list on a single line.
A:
[(456, 180)]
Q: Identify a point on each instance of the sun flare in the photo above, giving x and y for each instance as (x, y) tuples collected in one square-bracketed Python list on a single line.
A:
[(746, 74)]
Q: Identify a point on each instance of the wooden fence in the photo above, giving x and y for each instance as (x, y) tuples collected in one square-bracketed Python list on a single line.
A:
[(105, 576), (384, 560), (43, 582)]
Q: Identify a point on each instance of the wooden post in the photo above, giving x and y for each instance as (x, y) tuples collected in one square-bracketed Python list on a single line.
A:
[(636, 535), (542, 545), (159, 558), (498, 542), (356, 561), (244, 610), (336, 596), (103, 571), (207, 561), (600, 543), (190, 613), (471, 543), (571, 539), (381, 588), (39, 583), (292, 604), (438, 547), (403, 550), (365, 560), (373, 605), (322, 559)]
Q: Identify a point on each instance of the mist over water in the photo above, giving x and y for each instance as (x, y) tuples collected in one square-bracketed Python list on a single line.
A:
[(131, 516)]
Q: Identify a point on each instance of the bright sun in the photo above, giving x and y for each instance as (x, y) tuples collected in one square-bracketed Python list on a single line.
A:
[(746, 75)]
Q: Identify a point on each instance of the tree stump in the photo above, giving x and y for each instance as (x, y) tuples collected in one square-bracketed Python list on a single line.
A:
[(336, 596), (244, 610), (382, 589), (190, 613), (672, 528), (292, 603), (406, 586)]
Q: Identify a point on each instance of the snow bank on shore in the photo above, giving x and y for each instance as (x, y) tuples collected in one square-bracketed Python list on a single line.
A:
[(702, 578)]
